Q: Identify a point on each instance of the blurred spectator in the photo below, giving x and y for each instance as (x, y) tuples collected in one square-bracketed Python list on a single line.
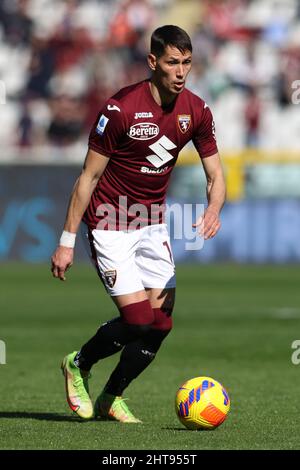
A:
[(225, 18), (17, 24), (298, 10), (25, 138), (41, 68), (205, 45), (199, 82), (289, 71), (128, 28), (94, 100), (70, 45), (67, 121), (61, 59), (252, 117)]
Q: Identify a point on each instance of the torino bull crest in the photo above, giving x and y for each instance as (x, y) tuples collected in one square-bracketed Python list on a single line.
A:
[(184, 122)]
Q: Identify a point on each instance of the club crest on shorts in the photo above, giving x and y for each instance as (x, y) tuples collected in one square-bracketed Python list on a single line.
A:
[(184, 122), (110, 277)]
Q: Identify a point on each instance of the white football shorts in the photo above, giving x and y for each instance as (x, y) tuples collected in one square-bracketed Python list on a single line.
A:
[(130, 261)]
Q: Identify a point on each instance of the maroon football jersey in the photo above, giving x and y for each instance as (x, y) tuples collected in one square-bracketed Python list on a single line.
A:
[(143, 141)]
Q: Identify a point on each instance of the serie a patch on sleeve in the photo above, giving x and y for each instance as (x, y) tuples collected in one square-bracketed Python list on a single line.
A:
[(102, 123)]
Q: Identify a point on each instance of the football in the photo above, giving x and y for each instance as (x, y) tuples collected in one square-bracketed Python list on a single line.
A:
[(202, 403)]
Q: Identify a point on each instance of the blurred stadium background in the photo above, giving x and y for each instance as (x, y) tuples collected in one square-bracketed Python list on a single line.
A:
[(238, 308), (59, 61)]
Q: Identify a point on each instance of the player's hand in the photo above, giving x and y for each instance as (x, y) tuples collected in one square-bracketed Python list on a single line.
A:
[(61, 261), (208, 224)]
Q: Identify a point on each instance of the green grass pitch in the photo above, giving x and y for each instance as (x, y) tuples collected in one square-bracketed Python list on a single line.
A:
[(233, 323)]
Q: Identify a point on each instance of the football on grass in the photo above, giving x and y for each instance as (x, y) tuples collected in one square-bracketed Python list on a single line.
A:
[(202, 403)]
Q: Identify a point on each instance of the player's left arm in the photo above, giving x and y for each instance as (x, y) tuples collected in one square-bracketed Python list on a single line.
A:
[(209, 223)]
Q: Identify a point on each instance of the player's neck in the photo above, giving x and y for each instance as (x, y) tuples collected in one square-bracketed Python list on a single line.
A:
[(161, 98)]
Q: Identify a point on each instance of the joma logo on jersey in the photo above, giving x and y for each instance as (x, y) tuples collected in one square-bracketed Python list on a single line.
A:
[(184, 122), (143, 115), (143, 131)]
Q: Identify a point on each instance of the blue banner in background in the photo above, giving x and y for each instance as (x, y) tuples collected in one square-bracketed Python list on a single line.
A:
[(26, 231), (34, 202), (33, 205), (257, 231)]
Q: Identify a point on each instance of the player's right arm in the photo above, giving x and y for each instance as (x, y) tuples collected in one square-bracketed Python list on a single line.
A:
[(93, 169)]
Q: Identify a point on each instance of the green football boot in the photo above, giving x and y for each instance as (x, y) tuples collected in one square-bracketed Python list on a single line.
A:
[(77, 389), (114, 408)]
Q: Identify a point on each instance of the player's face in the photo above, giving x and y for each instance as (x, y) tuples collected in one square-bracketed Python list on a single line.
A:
[(171, 69)]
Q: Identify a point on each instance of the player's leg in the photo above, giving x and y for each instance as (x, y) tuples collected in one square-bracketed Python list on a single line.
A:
[(114, 334), (77, 390), (136, 316), (113, 255), (135, 313), (157, 269), (137, 355)]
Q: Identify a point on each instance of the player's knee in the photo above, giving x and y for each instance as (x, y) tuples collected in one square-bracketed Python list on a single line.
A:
[(160, 329), (139, 316), (162, 319)]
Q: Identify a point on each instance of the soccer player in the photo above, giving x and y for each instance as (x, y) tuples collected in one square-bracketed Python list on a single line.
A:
[(118, 199)]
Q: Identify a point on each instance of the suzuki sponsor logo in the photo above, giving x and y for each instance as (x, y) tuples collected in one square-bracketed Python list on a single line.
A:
[(143, 131), (145, 169)]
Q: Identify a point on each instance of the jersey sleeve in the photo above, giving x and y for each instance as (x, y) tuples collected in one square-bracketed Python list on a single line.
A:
[(204, 138), (108, 129)]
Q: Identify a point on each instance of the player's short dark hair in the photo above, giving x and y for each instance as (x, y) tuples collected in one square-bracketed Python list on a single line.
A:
[(170, 35)]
